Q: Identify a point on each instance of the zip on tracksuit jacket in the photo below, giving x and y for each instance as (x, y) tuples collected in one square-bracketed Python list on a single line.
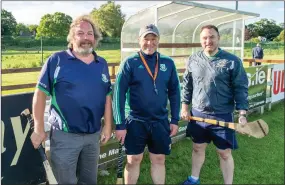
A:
[(134, 84)]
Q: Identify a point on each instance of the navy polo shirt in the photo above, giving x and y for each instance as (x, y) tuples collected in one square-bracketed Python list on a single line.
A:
[(78, 91)]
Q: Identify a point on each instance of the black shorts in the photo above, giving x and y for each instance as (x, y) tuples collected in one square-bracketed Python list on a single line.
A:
[(201, 132), (155, 135)]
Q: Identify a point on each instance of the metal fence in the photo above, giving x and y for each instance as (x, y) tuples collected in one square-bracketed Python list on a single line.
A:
[(269, 46), (33, 52)]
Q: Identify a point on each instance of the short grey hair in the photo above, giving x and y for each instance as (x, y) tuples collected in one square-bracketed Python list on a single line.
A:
[(77, 21)]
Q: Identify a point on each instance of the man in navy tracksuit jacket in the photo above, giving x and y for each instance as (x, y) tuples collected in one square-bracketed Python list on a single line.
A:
[(145, 82)]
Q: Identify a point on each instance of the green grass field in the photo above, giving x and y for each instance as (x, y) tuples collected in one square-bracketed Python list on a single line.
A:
[(23, 59), (257, 161), (14, 57), (268, 53)]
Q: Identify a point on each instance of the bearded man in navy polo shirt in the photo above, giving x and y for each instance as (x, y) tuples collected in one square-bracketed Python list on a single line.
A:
[(79, 84), (146, 80)]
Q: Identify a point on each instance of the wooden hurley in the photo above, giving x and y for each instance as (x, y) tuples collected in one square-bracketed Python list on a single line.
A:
[(257, 129), (50, 176), (120, 179)]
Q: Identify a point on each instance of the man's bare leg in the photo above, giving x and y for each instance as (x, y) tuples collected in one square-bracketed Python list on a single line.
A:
[(132, 169), (198, 158), (227, 165), (157, 168)]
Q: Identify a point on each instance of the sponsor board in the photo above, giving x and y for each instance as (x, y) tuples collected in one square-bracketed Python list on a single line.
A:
[(20, 162), (277, 77), (257, 83)]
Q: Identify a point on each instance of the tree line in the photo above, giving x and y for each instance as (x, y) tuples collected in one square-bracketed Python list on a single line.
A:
[(110, 20), (108, 17), (265, 28)]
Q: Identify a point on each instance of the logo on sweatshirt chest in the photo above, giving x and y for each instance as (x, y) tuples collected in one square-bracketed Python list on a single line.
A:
[(221, 64), (163, 67), (104, 78), (224, 65)]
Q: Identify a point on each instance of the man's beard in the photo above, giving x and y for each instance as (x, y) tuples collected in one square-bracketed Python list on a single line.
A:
[(84, 51)]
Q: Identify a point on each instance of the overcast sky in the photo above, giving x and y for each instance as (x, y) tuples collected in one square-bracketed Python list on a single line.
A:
[(30, 12)]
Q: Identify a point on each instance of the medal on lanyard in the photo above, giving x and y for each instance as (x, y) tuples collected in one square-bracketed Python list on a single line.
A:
[(155, 89), (149, 72)]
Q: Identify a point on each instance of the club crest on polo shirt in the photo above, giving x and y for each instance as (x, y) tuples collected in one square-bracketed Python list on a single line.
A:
[(104, 78), (163, 67)]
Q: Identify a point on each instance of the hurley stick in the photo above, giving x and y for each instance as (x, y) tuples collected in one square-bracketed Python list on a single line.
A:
[(257, 128), (49, 173)]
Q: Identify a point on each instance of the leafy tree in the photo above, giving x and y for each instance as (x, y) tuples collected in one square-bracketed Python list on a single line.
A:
[(54, 25), (280, 37), (252, 31), (22, 29), (265, 28), (109, 18), (8, 23), (33, 28), (255, 40), (246, 33)]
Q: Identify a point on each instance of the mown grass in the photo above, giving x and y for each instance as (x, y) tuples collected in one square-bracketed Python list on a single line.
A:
[(257, 161), (268, 53), (15, 57), (22, 59)]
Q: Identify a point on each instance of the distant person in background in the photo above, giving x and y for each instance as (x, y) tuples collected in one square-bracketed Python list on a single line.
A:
[(257, 53)]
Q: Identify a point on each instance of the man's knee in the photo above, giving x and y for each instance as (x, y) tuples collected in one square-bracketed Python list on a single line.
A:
[(199, 148), (225, 154), (157, 159), (134, 159)]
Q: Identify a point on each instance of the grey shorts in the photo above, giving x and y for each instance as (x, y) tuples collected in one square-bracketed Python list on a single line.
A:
[(74, 157)]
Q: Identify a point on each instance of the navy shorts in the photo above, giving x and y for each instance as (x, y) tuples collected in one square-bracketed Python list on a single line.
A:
[(155, 135), (201, 132)]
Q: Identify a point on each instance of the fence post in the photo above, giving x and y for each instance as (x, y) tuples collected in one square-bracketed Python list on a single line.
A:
[(42, 50), (270, 69), (262, 108)]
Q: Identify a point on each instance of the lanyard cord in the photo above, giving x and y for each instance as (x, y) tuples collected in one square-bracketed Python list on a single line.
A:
[(147, 68), (149, 72)]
